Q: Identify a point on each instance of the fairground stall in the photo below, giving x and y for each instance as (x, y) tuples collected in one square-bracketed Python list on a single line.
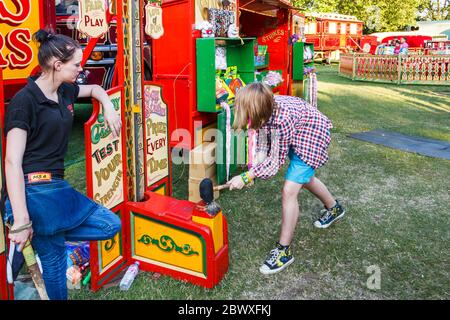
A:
[(332, 34), (172, 69), (130, 174)]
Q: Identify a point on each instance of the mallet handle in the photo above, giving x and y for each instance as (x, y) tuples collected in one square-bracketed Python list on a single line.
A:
[(221, 187), (33, 268)]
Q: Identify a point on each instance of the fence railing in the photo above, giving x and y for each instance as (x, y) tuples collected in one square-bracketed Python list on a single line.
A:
[(399, 69)]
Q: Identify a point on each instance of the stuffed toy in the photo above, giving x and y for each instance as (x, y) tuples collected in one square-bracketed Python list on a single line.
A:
[(206, 28), (233, 31)]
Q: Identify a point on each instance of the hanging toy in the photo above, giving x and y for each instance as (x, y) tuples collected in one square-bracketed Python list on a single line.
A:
[(221, 92), (233, 31), (233, 80)]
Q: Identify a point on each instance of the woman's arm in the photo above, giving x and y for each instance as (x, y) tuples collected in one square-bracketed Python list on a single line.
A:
[(15, 148), (112, 119)]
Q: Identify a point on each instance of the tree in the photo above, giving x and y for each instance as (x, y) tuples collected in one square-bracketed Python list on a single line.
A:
[(434, 10), (378, 15)]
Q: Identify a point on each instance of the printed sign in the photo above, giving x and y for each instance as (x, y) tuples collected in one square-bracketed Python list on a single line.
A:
[(153, 20), (275, 36), (106, 158), (92, 18), (156, 135), (19, 20)]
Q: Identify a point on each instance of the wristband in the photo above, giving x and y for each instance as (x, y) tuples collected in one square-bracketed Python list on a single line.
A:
[(246, 178), (21, 228)]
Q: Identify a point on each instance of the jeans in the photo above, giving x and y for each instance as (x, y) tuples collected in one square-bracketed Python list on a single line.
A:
[(60, 213), (102, 224)]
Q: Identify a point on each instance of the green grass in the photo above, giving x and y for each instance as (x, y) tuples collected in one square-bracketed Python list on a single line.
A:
[(397, 210)]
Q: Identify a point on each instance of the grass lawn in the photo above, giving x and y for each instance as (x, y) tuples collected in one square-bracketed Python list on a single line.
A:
[(397, 209)]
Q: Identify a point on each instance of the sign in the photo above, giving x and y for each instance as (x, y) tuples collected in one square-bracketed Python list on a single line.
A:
[(166, 245), (275, 36), (156, 135), (92, 18), (153, 20), (19, 20), (106, 159)]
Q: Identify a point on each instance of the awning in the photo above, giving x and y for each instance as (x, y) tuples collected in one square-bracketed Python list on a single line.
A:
[(265, 5)]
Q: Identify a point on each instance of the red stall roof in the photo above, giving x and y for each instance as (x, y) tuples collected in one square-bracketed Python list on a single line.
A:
[(265, 5)]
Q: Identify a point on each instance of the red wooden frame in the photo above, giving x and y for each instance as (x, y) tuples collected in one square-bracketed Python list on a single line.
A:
[(6, 291), (216, 263), (174, 67)]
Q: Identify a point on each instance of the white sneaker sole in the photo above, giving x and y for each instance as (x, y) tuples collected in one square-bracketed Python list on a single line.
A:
[(265, 269), (318, 225)]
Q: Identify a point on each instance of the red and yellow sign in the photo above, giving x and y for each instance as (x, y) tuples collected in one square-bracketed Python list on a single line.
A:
[(168, 246), (19, 20)]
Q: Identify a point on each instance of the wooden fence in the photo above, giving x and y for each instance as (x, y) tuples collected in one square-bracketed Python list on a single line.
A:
[(399, 69)]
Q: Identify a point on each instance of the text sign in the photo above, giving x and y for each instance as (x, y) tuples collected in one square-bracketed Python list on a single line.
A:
[(153, 20), (106, 158), (19, 20), (156, 139), (92, 18)]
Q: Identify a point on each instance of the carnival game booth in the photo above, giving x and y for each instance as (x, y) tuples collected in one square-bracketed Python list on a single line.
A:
[(332, 34), (269, 22), (131, 174)]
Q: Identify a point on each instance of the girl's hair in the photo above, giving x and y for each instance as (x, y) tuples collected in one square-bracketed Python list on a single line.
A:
[(53, 45), (254, 102)]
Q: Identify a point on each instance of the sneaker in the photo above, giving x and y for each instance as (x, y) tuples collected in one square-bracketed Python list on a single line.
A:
[(278, 259), (328, 216)]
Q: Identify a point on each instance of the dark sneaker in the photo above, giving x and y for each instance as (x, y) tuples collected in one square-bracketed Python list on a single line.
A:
[(278, 259), (329, 216)]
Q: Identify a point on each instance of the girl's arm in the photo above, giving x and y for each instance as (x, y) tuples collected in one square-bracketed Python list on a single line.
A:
[(15, 148), (112, 119)]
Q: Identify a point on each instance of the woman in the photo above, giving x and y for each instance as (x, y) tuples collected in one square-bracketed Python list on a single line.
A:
[(40, 204), (287, 127)]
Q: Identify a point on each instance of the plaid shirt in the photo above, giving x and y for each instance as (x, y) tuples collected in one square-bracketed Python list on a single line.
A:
[(294, 125)]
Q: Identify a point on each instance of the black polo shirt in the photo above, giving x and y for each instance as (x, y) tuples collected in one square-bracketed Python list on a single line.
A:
[(48, 125)]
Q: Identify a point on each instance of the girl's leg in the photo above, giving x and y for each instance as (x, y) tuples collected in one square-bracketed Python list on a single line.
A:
[(290, 211), (53, 256), (317, 188), (102, 224)]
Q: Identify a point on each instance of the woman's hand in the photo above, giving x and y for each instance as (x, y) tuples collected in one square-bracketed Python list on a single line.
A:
[(112, 120), (236, 183), (20, 238)]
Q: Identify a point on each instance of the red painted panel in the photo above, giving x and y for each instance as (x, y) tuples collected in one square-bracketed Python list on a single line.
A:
[(271, 31)]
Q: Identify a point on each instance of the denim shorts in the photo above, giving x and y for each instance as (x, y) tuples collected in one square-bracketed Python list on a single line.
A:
[(298, 171), (54, 206)]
